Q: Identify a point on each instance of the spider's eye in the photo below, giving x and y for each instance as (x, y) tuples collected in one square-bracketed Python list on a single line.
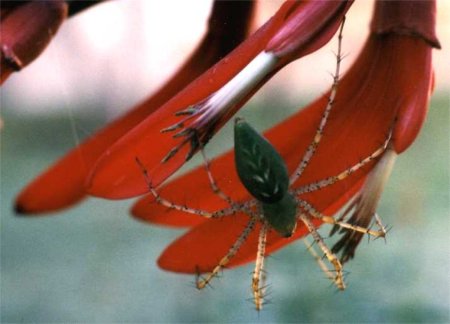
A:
[(259, 166)]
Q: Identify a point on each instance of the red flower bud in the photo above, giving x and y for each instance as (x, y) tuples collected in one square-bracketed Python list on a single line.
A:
[(26, 31)]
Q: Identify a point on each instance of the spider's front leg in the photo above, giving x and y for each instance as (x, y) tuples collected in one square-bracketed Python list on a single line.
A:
[(337, 222)]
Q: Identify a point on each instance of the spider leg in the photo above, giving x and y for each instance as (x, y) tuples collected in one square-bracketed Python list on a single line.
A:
[(319, 132), (348, 243), (339, 276), (258, 287), (380, 224), (319, 260), (354, 220), (307, 207), (344, 174), (343, 215), (215, 188), (203, 282), (164, 202)]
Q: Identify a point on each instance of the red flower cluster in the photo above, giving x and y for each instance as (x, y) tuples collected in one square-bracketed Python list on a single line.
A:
[(386, 91)]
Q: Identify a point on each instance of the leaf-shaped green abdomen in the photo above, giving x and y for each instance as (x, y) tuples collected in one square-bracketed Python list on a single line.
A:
[(259, 166)]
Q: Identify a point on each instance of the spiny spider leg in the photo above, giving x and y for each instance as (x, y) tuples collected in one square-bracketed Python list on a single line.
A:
[(344, 174), (203, 282), (347, 211), (344, 214), (164, 202), (215, 188), (257, 279), (318, 136), (318, 258), (307, 207), (380, 225), (339, 277)]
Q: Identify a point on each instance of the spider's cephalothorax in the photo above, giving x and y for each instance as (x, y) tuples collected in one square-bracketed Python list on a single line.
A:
[(264, 174)]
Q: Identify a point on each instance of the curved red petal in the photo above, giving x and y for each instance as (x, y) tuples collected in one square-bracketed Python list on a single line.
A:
[(116, 175), (309, 26), (369, 99), (417, 19), (63, 184), (26, 30), (201, 249), (411, 116), (367, 103)]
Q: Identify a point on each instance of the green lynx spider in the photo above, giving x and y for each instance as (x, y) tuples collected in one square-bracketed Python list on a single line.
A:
[(264, 174)]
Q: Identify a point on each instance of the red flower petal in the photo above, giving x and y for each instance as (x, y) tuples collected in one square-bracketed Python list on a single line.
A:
[(201, 249), (310, 25), (63, 184), (367, 103), (416, 19), (369, 99), (117, 176)]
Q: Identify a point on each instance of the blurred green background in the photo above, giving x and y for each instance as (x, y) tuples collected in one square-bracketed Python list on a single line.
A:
[(93, 263)]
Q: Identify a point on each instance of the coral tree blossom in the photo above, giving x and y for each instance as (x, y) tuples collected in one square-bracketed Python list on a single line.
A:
[(190, 118), (386, 90), (297, 28)]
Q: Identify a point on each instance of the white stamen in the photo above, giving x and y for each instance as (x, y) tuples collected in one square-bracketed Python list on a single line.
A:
[(238, 87)]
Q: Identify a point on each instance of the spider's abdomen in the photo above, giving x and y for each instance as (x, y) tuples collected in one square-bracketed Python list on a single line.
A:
[(259, 166)]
